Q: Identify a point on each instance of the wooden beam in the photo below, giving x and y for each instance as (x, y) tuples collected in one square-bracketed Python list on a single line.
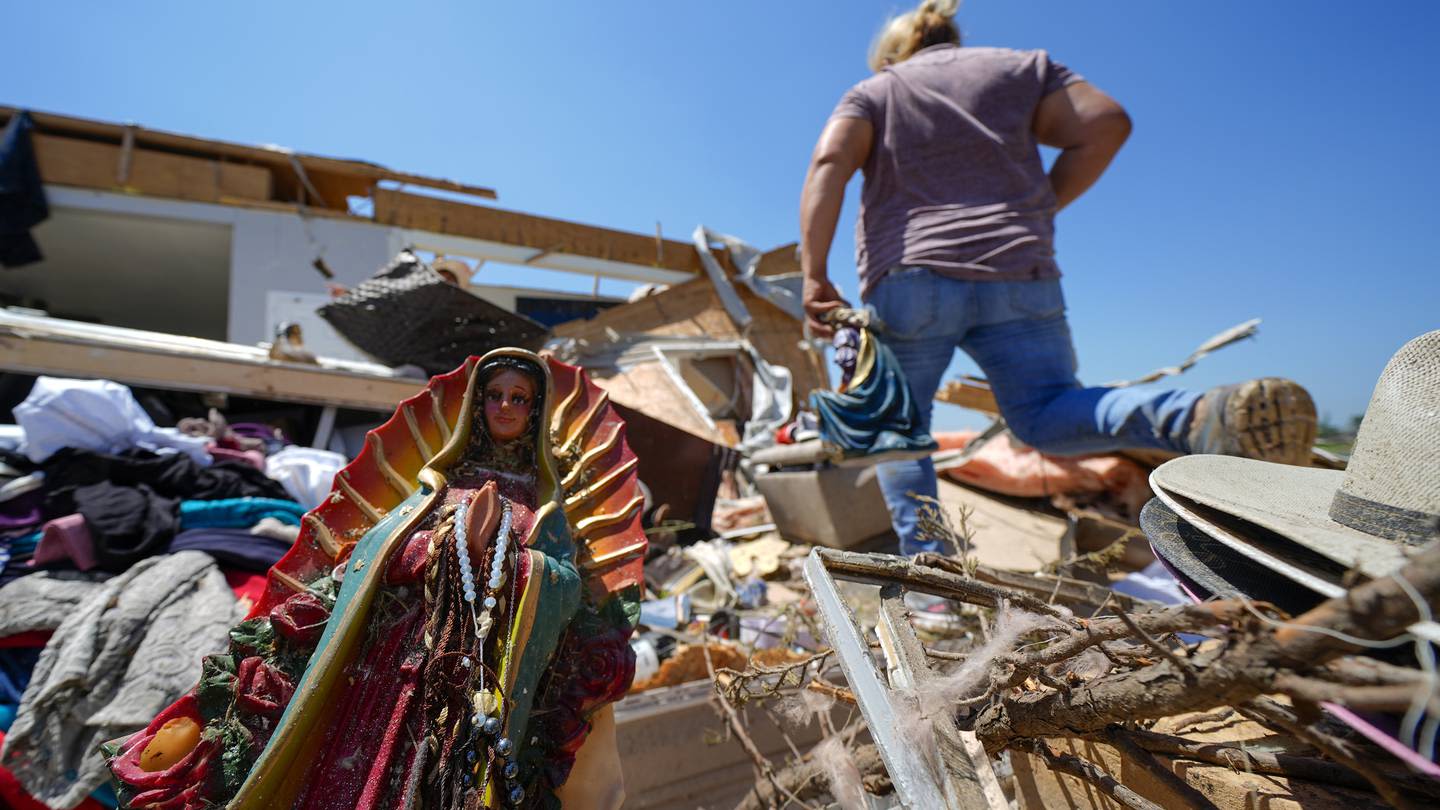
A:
[(37, 345), (109, 167), (528, 230), (333, 176)]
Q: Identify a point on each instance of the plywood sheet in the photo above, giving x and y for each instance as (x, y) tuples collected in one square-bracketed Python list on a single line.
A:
[(1005, 535), (1038, 787), (648, 389)]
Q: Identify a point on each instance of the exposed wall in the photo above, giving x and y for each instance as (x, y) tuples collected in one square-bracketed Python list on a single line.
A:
[(159, 274), (161, 264), (275, 252)]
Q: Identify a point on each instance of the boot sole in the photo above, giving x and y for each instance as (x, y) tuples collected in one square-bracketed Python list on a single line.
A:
[(1272, 419)]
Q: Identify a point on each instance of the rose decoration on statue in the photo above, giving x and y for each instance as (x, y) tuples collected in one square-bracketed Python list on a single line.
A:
[(300, 619), (262, 689), (606, 667), (144, 767)]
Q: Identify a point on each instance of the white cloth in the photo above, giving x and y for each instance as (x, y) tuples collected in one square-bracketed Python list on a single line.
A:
[(96, 415), (306, 473), (12, 438), (770, 403)]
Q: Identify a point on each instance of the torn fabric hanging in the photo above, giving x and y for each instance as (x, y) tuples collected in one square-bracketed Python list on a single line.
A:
[(781, 290), (22, 196)]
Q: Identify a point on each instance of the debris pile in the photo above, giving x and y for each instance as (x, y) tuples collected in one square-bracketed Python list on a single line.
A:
[(1076, 642)]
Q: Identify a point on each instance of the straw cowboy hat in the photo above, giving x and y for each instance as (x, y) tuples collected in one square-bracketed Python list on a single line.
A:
[(1312, 525)]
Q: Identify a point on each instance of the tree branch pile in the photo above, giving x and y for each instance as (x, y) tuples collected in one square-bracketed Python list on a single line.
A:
[(1144, 673)]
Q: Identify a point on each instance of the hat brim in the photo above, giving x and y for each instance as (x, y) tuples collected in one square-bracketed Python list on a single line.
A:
[(1206, 567), (1272, 551), (1293, 502)]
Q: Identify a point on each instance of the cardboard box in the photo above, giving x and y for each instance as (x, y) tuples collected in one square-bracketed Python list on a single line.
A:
[(839, 507), (675, 752)]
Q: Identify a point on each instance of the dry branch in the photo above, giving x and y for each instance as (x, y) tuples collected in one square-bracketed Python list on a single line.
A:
[(1256, 651), (738, 729), (885, 570), (1239, 671)]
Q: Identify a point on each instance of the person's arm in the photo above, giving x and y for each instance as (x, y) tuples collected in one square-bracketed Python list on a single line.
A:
[(1088, 127), (841, 150)]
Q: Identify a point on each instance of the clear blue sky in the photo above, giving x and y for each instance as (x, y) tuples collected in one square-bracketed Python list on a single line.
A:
[(1281, 166)]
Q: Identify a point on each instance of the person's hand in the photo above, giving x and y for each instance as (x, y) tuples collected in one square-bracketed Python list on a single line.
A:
[(820, 297)]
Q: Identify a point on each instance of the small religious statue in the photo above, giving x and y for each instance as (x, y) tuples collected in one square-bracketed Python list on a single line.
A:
[(871, 415), (447, 632)]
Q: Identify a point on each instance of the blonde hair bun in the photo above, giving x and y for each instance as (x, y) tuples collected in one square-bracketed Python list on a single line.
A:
[(902, 36)]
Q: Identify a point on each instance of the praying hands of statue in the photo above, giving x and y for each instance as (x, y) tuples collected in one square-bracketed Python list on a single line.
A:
[(482, 515)]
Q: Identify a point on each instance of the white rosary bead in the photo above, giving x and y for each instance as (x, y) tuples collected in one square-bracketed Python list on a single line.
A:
[(490, 603)]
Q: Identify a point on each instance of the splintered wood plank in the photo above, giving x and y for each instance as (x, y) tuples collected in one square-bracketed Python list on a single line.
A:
[(969, 393), (1039, 787)]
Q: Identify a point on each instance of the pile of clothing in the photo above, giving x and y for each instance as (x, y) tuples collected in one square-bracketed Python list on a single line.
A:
[(127, 551)]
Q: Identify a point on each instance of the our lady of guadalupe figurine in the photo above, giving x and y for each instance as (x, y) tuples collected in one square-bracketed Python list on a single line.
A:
[(448, 630)]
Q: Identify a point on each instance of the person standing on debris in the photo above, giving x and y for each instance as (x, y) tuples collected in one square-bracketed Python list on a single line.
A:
[(954, 246)]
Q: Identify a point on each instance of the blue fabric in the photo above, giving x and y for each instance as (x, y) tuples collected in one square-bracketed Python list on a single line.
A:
[(232, 548), (105, 794), (22, 545), (1017, 333), (237, 513), (16, 664)]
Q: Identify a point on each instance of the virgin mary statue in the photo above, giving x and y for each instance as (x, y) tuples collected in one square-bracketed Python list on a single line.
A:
[(447, 632)]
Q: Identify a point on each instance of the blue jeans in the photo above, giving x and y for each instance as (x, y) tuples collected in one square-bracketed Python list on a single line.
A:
[(1016, 332)]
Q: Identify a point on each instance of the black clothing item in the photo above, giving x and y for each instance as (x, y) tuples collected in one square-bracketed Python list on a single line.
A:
[(173, 476), (131, 501), (22, 195), (128, 523)]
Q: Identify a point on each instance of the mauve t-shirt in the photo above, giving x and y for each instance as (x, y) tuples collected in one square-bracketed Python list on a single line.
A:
[(954, 181)]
